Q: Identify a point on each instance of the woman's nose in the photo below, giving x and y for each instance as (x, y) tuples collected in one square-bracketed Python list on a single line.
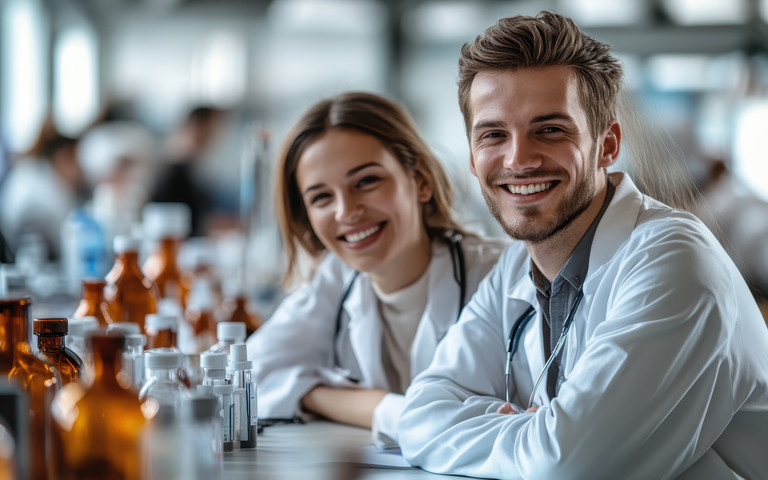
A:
[(349, 208)]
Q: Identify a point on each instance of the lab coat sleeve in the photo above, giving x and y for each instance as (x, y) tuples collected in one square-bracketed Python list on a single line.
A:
[(385, 418), (293, 351), (650, 392)]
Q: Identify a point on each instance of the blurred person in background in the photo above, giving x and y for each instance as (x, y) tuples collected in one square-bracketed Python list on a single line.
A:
[(179, 178), (359, 192), (739, 218), (42, 185), (117, 157)]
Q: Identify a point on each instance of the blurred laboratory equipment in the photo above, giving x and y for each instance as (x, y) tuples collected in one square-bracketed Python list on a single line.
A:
[(246, 421), (129, 294), (160, 330), (92, 302), (227, 334), (98, 427), (85, 248), (200, 313), (200, 420), (162, 383), (133, 352), (166, 226), (191, 372), (237, 307), (34, 374), (50, 342), (215, 382), (79, 327)]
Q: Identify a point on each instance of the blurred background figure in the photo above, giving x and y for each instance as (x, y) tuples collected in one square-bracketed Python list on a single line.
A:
[(740, 219), (180, 177), (117, 157), (42, 185)]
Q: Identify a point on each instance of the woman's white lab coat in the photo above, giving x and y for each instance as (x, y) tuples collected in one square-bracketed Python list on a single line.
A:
[(665, 366), (294, 350)]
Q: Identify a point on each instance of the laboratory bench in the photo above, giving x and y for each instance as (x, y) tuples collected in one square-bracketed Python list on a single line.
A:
[(318, 450)]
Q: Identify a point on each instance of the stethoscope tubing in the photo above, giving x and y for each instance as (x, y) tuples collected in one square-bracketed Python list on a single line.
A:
[(515, 334)]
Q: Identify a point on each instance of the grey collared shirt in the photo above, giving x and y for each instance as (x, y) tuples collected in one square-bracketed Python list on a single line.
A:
[(556, 298)]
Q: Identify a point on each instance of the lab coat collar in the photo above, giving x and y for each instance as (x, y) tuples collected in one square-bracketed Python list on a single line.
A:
[(617, 223), (365, 331), (440, 311)]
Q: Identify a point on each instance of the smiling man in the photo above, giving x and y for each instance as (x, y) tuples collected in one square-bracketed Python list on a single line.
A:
[(618, 340)]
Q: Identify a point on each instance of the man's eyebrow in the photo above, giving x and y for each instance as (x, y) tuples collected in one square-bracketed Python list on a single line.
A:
[(551, 116), (487, 124)]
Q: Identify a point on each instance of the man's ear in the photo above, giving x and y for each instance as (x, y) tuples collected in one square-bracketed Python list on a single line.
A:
[(610, 145)]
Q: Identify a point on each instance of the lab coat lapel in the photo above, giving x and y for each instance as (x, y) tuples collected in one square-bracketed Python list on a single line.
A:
[(440, 311), (365, 331)]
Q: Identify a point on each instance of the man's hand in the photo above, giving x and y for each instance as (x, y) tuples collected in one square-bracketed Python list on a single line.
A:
[(510, 409)]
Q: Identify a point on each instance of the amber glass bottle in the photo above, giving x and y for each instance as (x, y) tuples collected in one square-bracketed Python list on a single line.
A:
[(50, 342), (160, 330), (237, 308), (200, 313), (92, 302), (129, 295), (168, 224), (35, 375), (98, 428)]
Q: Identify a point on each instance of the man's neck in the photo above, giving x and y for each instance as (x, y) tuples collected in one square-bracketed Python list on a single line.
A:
[(551, 254)]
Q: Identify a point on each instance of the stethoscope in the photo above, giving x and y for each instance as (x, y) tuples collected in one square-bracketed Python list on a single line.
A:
[(516, 333), (459, 274)]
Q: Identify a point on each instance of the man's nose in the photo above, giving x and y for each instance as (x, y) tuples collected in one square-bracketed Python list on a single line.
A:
[(521, 155)]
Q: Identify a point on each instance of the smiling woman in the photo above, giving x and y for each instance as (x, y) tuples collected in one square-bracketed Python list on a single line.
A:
[(361, 193)]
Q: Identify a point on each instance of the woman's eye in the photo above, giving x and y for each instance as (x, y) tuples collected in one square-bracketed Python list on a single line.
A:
[(320, 197), (368, 180)]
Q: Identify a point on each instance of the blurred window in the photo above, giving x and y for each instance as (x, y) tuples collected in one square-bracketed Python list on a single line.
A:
[(23, 31), (749, 144), (707, 12), (75, 92)]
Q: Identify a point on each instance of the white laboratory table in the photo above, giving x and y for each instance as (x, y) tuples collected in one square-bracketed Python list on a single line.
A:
[(318, 450)]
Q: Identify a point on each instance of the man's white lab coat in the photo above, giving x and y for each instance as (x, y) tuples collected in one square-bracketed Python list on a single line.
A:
[(665, 365)]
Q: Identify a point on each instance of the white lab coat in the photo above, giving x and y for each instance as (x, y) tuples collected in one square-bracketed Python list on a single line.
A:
[(666, 366), (294, 350)]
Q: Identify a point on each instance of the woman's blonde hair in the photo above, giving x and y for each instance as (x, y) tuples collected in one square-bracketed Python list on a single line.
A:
[(367, 113)]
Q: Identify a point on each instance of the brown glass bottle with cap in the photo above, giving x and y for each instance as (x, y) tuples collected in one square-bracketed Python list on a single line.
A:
[(237, 308), (129, 294), (92, 302), (167, 224), (160, 330), (35, 375), (50, 342), (98, 428)]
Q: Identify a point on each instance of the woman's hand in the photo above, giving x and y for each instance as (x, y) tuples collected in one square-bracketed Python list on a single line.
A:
[(347, 405)]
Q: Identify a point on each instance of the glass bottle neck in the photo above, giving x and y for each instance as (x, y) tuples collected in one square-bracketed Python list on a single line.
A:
[(106, 365), (93, 294), (50, 342), (169, 248)]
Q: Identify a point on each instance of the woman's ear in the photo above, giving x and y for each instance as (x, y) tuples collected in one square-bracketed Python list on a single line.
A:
[(424, 188), (610, 145)]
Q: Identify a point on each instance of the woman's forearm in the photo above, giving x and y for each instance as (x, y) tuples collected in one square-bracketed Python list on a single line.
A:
[(346, 405)]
